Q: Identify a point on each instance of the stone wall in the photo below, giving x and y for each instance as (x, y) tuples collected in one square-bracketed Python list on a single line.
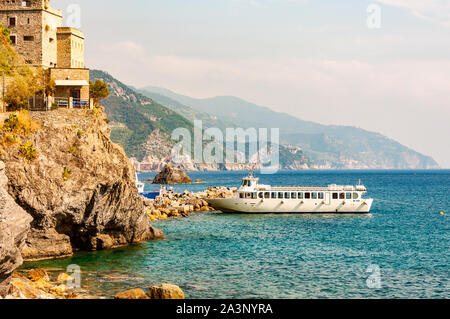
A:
[(34, 30)]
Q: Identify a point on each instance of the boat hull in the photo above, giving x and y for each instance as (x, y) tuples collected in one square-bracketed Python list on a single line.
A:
[(259, 206)]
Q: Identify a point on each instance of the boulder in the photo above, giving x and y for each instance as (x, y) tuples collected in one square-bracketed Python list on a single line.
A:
[(172, 175), (38, 274), (132, 294), (14, 227), (165, 291)]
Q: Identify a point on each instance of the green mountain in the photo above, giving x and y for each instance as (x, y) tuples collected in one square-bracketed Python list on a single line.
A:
[(327, 145), (143, 126), (138, 123)]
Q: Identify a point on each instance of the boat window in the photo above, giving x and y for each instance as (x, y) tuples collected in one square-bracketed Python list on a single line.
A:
[(294, 195), (314, 195), (300, 195), (274, 195), (241, 195), (342, 196), (287, 195), (349, 196), (248, 195), (253, 195), (335, 195), (244, 183), (307, 195), (355, 195), (267, 195), (321, 196), (261, 195), (280, 195)]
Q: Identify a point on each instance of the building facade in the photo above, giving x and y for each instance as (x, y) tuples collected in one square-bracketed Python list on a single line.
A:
[(38, 36)]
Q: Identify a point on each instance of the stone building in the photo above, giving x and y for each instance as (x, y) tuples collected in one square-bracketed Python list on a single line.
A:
[(40, 39)]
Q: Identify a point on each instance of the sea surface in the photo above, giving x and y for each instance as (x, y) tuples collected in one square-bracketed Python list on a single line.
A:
[(401, 250)]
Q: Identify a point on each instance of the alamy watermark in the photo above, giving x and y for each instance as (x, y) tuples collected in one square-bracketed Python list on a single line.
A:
[(236, 146), (374, 16), (374, 279)]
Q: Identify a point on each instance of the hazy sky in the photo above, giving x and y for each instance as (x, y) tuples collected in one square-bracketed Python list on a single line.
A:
[(315, 59)]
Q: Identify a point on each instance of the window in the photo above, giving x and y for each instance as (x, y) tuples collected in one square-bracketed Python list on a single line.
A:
[(274, 195), (348, 196), (342, 196), (28, 38), (248, 195), (335, 196), (12, 21), (307, 195), (13, 39), (26, 4), (355, 195), (51, 40), (287, 195), (267, 195), (321, 196), (300, 195), (261, 195), (241, 195), (280, 195), (314, 195), (294, 195), (253, 195)]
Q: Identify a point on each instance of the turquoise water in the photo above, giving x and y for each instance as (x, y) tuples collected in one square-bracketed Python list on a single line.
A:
[(216, 255)]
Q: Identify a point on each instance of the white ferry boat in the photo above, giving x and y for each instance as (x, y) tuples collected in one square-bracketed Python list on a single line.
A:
[(255, 198)]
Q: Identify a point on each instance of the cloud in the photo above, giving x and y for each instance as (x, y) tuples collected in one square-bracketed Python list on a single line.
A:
[(437, 11), (406, 100)]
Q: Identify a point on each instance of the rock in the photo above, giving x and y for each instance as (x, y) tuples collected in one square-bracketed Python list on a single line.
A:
[(44, 244), (172, 175), (76, 211), (132, 294), (63, 277), (14, 226), (38, 274), (165, 291), (104, 242)]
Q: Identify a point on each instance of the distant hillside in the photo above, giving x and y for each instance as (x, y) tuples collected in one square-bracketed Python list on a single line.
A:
[(140, 124), (329, 146), (144, 126)]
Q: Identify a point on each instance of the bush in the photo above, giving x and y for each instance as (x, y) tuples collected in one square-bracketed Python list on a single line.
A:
[(66, 174), (28, 151), (74, 151), (20, 123), (54, 106)]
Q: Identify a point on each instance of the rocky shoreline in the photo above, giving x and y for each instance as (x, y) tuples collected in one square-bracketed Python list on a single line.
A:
[(173, 205), (64, 187)]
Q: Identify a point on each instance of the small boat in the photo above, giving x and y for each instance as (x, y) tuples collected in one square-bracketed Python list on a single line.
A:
[(254, 198), (140, 185)]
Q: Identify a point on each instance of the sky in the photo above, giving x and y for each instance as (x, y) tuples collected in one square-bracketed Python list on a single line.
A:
[(381, 65)]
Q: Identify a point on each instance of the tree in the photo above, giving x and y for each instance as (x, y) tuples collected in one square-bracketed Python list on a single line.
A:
[(23, 81), (98, 90)]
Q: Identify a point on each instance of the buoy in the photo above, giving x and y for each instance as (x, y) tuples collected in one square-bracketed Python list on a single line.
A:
[(442, 213)]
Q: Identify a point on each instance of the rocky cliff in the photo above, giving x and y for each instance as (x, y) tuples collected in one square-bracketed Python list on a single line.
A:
[(14, 226), (76, 184)]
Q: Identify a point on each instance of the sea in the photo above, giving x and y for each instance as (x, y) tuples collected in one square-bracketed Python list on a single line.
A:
[(400, 250)]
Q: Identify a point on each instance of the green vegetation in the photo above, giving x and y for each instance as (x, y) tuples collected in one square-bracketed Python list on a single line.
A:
[(28, 151), (74, 151), (23, 81), (79, 133), (20, 123), (139, 114), (66, 174), (98, 90)]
